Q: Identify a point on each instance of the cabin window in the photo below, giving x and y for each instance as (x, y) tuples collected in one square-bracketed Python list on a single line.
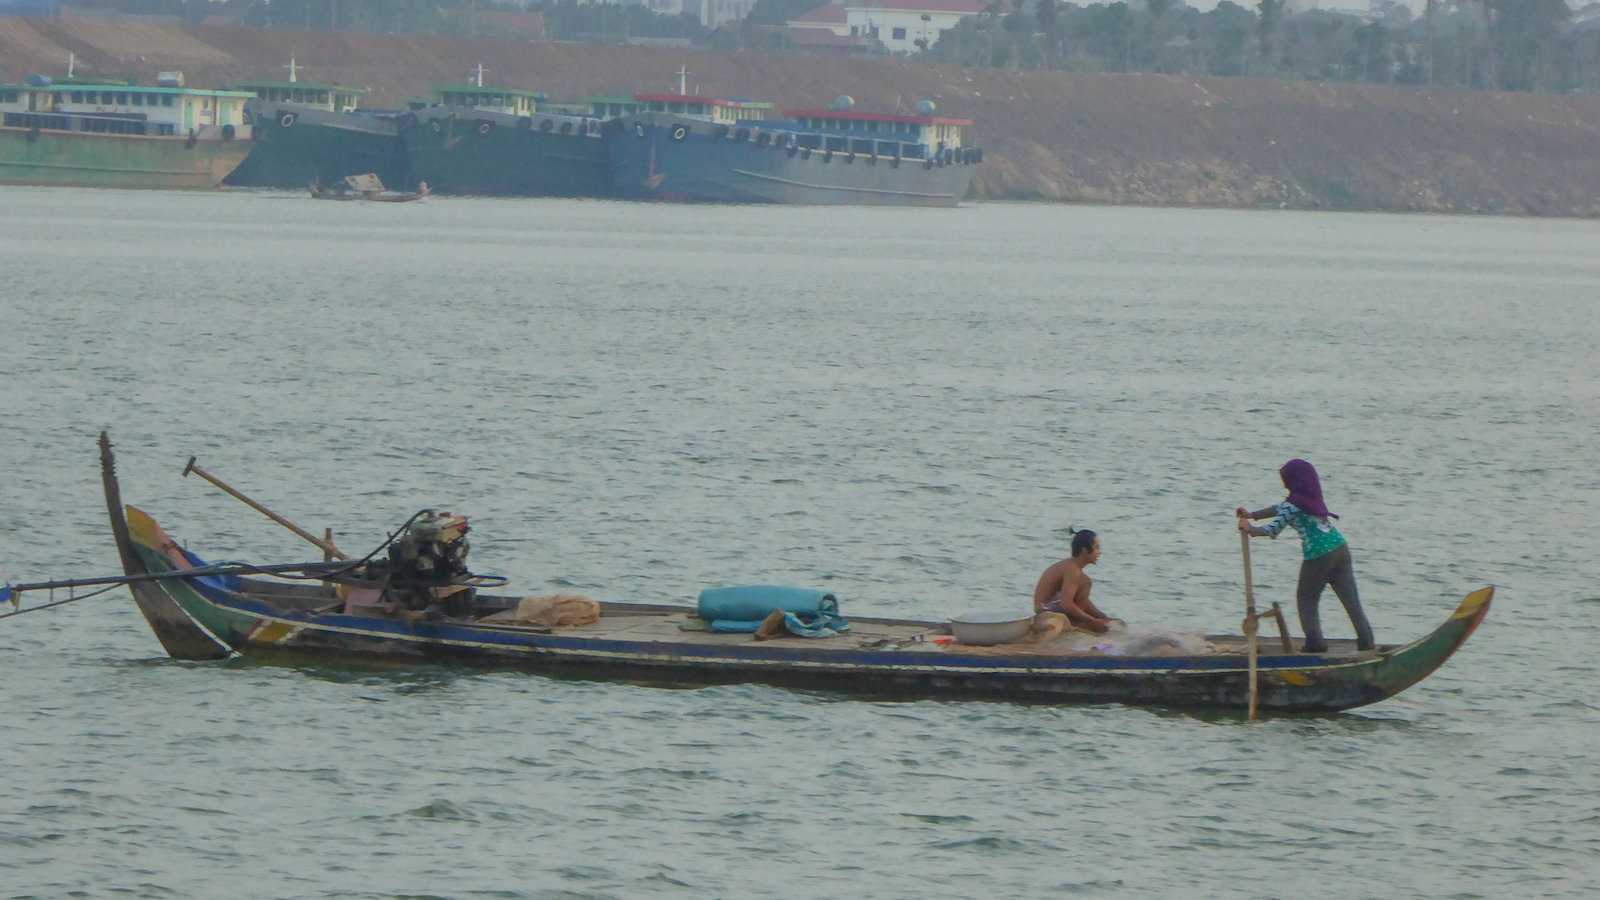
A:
[(77, 96), (855, 30), (138, 99), (873, 31), (675, 107), (122, 99), (697, 108), (899, 34), (166, 100)]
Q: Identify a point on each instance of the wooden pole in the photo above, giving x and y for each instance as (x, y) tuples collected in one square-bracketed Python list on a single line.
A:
[(326, 547), (1283, 628), (328, 588), (1250, 619)]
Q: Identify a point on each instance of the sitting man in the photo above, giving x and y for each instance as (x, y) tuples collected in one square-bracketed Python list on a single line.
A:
[(1064, 587)]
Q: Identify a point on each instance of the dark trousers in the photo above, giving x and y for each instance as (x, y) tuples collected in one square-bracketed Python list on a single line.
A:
[(1337, 570)]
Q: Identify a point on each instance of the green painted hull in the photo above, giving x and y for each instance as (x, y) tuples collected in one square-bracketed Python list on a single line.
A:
[(77, 159), (294, 145), (492, 154)]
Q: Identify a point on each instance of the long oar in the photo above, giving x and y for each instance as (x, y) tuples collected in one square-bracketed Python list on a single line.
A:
[(1250, 620), (326, 547)]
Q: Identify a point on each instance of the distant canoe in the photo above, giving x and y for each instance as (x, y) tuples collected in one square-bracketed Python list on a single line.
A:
[(366, 187), (213, 616)]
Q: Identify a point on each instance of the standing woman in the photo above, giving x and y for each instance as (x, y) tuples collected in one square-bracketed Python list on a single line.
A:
[(1327, 555)]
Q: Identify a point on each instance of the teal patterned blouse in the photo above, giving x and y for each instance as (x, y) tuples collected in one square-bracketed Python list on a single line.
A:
[(1317, 538)]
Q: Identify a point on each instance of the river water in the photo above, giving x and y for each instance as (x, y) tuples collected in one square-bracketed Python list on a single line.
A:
[(905, 407)]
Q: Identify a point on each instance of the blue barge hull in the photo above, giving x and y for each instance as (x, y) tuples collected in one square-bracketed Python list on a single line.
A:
[(656, 157)]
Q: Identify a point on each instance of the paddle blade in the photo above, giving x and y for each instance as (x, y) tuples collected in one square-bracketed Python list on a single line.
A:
[(8, 595)]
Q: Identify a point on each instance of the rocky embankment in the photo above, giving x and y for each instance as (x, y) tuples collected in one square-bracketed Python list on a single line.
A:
[(1126, 139)]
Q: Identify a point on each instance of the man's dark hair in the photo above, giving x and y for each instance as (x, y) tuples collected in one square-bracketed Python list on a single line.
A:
[(1082, 541)]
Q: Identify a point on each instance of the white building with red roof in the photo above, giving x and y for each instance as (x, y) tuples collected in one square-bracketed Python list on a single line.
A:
[(897, 24)]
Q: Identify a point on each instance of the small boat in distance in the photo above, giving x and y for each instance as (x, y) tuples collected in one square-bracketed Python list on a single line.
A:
[(420, 604), (366, 186)]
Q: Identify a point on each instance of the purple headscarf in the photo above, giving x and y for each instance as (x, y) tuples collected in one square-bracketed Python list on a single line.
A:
[(1305, 488)]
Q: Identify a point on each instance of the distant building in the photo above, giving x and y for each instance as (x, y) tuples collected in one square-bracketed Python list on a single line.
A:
[(897, 24), (824, 40), (711, 13)]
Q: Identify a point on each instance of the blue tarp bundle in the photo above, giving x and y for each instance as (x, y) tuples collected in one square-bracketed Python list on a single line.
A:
[(806, 612)]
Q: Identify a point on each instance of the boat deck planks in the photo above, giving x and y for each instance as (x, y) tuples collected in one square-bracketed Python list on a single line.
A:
[(630, 622)]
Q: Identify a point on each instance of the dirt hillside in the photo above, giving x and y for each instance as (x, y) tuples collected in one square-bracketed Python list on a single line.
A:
[(1141, 139)]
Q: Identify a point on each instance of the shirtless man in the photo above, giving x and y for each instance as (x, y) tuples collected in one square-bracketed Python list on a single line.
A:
[(1064, 587)]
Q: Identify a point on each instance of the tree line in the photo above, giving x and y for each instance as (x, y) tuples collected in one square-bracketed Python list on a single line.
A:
[(1516, 45), (564, 19)]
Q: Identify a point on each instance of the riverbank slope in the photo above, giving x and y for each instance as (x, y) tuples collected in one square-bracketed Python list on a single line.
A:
[(1123, 139)]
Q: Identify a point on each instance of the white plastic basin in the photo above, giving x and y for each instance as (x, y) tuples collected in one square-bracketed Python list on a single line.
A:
[(991, 626)]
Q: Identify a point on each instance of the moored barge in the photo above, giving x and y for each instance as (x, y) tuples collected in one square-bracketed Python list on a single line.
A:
[(105, 134), (308, 131), (496, 141), (683, 147)]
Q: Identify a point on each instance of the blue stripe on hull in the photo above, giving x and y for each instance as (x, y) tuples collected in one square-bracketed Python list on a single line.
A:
[(1193, 682)]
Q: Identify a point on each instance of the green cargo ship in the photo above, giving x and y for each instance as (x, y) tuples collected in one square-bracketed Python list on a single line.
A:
[(78, 133), (306, 132), (496, 141)]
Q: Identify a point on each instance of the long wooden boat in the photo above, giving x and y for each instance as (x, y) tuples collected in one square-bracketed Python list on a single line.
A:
[(218, 615)]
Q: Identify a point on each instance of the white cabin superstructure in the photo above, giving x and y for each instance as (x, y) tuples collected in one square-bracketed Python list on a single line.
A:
[(511, 101), (126, 108), (716, 110)]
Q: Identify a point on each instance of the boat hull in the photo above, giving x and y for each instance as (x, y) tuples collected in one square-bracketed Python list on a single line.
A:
[(42, 156), (295, 144), (657, 158), (477, 152), (241, 615)]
